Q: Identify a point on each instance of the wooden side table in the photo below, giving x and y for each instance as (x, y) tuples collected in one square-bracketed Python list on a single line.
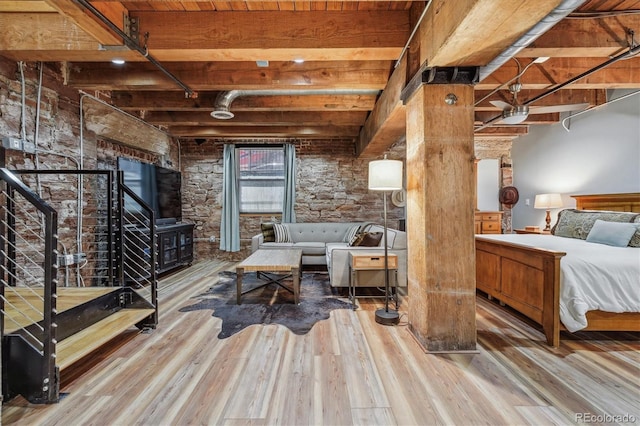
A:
[(366, 269)]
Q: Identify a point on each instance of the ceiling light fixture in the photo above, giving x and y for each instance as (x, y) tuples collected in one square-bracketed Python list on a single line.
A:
[(118, 61), (515, 115), (298, 61)]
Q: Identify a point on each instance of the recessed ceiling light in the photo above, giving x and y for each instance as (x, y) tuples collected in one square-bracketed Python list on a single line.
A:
[(298, 60), (118, 61)]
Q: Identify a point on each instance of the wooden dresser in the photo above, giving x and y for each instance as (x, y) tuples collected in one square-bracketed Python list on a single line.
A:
[(488, 222)]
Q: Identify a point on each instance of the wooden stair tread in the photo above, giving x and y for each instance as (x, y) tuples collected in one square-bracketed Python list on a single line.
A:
[(89, 339), (29, 301)]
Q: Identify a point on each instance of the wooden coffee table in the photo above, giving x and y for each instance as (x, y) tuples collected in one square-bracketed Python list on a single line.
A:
[(274, 266)]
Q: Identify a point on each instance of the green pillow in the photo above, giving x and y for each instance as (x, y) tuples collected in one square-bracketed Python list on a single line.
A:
[(268, 232)]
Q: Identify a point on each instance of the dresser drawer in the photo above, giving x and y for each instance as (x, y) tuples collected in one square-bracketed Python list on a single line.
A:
[(490, 227), (491, 217)]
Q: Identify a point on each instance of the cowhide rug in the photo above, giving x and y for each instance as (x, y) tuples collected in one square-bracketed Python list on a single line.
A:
[(271, 304)]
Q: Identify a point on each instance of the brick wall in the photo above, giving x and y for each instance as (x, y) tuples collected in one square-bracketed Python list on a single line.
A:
[(329, 188)]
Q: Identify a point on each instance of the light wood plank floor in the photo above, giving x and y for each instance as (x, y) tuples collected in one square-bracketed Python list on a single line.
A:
[(346, 370)]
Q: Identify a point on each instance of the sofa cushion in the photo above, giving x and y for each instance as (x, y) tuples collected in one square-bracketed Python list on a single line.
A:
[(275, 245), (326, 232), (311, 248)]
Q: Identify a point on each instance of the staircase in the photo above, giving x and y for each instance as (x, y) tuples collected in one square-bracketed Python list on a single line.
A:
[(47, 327)]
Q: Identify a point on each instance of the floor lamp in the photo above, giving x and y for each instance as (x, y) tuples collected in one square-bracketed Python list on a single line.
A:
[(385, 175)]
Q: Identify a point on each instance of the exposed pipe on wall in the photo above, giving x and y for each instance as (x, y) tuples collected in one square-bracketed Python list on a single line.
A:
[(628, 95), (413, 33), (555, 16), (133, 44)]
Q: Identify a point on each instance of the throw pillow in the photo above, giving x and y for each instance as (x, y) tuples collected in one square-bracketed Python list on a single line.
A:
[(574, 223), (617, 234), (351, 234), (367, 239), (282, 233), (268, 232)]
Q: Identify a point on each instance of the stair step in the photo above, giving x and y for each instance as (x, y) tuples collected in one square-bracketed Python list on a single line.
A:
[(91, 338), (25, 304)]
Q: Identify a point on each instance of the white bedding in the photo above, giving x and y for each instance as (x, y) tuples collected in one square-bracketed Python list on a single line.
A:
[(592, 276)]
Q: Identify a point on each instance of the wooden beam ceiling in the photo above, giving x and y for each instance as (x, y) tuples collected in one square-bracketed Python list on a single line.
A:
[(214, 46)]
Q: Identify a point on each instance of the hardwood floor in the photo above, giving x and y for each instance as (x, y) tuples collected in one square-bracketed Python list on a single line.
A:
[(346, 370)]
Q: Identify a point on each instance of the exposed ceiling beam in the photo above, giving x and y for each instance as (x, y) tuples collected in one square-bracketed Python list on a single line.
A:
[(86, 21), (317, 35), (176, 101), (258, 118), (622, 74), (232, 75), (474, 32), (309, 132), (26, 6), (602, 37), (466, 32)]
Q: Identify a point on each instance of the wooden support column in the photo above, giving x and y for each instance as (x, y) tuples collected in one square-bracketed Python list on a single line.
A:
[(440, 207)]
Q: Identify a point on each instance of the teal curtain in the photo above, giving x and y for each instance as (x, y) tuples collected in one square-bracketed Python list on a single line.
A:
[(289, 201), (230, 223)]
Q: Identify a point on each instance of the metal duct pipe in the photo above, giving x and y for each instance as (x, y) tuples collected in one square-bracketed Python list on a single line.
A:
[(556, 15), (222, 105), (133, 44)]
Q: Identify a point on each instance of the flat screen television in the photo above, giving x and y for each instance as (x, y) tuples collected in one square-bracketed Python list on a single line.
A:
[(158, 187)]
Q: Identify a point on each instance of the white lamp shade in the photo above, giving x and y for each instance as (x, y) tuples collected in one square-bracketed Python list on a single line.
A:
[(547, 201), (385, 175)]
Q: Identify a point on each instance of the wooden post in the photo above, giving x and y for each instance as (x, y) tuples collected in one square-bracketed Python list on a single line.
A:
[(440, 213)]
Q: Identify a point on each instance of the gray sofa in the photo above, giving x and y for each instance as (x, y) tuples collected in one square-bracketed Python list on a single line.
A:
[(324, 243)]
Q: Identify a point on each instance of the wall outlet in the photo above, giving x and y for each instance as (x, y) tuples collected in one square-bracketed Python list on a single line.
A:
[(527, 202)]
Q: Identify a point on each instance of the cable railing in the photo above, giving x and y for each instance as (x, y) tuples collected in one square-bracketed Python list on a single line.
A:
[(28, 294)]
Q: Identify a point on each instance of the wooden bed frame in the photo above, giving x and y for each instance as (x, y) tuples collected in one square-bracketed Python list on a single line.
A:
[(528, 279)]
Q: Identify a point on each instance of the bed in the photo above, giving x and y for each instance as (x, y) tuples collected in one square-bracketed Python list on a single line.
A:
[(526, 272)]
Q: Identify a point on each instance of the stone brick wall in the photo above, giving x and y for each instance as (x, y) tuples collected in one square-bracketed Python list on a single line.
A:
[(329, 188)]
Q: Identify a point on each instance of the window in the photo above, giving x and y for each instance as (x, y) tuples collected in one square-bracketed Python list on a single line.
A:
[(261, 179)]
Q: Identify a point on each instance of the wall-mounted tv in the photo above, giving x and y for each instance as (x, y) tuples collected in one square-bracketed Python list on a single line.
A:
[(159, 187)]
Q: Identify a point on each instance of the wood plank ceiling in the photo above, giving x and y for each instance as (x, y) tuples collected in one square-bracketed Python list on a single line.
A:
[(246, 53)]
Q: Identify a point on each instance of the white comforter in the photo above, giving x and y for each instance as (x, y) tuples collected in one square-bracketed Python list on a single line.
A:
[(592, 276)]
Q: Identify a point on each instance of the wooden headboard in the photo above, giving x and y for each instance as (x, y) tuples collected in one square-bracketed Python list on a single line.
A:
[(628, 202)]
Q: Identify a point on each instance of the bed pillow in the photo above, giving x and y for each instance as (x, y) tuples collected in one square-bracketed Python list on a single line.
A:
[(282, 233), (635, 240), (615, 234), (573, 223), (268, 233)]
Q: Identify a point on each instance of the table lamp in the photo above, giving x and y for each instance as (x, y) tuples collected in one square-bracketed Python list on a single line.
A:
[(548, 202)]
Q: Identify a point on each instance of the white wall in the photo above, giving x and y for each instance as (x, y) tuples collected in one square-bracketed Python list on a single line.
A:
[(600, 154)]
